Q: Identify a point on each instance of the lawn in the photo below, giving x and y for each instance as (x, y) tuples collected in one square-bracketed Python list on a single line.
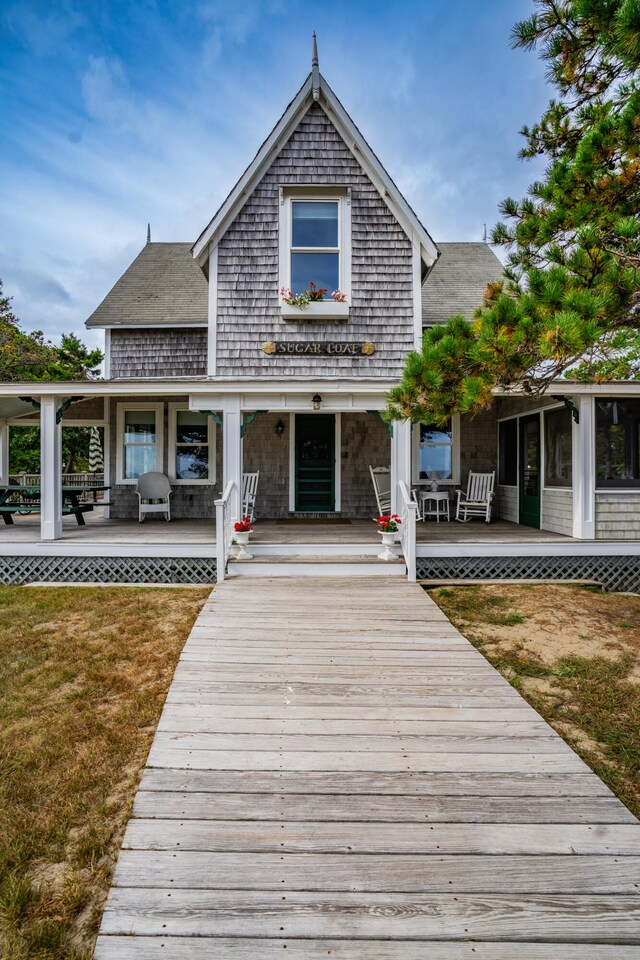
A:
[(574, 654), (84, 672)]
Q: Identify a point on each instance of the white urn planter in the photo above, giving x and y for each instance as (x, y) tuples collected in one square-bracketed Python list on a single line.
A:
[(241, 538), (388, 540)]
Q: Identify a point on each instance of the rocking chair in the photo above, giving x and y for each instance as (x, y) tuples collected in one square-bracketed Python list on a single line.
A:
[(477, 500)]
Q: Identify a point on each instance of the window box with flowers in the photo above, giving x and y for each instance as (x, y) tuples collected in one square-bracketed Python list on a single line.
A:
[(313, 304)]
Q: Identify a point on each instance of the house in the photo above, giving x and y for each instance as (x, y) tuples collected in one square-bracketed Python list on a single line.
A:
[(213, 371)]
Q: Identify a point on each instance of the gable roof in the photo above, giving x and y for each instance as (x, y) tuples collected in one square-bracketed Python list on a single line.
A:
[(315, 88), (457, 282), (163, 286)]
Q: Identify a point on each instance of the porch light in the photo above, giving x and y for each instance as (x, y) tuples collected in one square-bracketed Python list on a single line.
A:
[(317, 401), (279, 428)]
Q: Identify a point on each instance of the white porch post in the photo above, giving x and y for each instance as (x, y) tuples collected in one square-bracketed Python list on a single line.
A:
[(232, 451), (400, 459), (4, 451), (50, 470), (584, 461)]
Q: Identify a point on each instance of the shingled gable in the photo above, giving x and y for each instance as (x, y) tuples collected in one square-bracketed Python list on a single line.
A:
[(315, 89), (457, 283), (162, 287)]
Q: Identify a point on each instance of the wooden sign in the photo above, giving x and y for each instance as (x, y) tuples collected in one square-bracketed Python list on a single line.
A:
[(318, 348)]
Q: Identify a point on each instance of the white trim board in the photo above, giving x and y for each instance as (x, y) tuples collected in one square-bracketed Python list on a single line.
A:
[(572, 548)]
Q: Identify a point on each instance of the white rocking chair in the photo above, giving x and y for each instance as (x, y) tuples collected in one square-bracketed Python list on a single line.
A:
[(381, 479), (477, 500), (249, 491), (153, 491)]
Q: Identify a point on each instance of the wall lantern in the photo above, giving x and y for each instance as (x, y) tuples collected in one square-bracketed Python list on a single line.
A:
[(317, 401), (279, 428)]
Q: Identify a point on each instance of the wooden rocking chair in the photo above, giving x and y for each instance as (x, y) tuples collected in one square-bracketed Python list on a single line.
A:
[(478, 498), (381, 479), (249, 491)]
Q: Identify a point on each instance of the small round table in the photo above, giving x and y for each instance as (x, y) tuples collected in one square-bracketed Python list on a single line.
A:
[(440, 500)]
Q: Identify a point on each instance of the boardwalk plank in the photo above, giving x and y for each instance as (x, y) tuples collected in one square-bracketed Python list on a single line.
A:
[(150, 912), (434, 783), (352, 837), (248, 948), (375, 872), (357, 807)]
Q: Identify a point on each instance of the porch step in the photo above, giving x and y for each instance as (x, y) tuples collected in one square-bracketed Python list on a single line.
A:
[(299, 548), (277, 565)]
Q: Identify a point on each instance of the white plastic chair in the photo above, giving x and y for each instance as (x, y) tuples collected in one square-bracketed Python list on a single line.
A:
[(249, 491), (381, 479), (477, 500), (153, 491)]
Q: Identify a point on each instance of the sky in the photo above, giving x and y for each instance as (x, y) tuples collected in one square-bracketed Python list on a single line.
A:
[(116, 113)]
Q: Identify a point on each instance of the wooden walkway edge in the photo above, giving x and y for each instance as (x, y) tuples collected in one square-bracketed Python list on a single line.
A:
[(339, 773)]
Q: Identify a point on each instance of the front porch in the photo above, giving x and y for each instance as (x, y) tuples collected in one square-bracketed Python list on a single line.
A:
[(101, 530)]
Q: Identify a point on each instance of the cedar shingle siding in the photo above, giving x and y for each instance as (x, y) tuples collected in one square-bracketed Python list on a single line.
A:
[(158, 353), (381, 280)]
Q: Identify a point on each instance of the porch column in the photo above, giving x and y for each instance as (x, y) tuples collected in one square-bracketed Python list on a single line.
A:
[(232, 451), (400, 459), (50, 470), (584, 461), (4, 451)]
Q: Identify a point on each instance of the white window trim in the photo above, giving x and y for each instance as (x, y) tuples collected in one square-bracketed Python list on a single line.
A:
[(455, 455), (124, 408), (327, 309), (173, 432)]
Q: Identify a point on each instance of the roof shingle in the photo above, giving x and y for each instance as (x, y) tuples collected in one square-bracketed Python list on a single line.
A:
[(457, 282), (164, 285)]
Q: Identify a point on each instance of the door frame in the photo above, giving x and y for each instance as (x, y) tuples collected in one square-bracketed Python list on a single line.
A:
[(522, 420), (337, 506)]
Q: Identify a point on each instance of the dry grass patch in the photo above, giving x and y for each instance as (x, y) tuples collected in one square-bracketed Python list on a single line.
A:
[(574, 654), (83, 675)]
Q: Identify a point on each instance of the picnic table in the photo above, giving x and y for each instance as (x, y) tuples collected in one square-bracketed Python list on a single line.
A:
[(29, 502)]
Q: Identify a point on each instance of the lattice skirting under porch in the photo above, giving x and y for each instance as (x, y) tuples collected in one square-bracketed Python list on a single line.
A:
[(614, 573), (21, 570)]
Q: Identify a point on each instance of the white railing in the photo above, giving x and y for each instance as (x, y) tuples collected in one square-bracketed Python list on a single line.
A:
[(224, 530), (408, 512)]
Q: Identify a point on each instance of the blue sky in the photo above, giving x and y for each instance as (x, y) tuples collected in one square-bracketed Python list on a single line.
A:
[(117, 113)]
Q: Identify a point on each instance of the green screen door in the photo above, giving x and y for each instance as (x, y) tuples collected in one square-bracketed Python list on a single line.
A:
[(315, 462), (530, 471)]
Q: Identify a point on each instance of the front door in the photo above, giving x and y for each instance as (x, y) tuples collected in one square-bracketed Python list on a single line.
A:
[(530, 471), (315, 462)]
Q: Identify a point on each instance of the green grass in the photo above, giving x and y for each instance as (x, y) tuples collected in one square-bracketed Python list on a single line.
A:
[(594, 696), (83, 676)]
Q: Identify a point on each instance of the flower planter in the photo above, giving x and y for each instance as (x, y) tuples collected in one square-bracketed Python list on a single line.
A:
[(388, 540), (320, 309), (241, 538)]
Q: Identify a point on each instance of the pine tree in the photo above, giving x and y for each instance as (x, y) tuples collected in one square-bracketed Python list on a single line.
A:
[(569, 303)]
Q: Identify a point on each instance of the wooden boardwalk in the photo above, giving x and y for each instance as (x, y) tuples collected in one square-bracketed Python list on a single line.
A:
[(338, 773)]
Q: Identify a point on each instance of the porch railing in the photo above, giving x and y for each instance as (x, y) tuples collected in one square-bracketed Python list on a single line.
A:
[(68, 480), (224, 530), (408, 513)]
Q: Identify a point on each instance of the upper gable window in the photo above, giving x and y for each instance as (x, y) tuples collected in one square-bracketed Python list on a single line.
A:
[(315, 249)]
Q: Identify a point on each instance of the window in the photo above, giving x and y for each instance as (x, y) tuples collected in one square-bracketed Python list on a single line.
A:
[(558, 467), (191, 446), (508, 453), (436, 452), (617, 443), (139, 440), (315, 250), (315, 247)]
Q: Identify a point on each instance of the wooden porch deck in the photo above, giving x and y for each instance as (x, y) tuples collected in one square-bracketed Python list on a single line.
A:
[(99, 530), (338, 773)]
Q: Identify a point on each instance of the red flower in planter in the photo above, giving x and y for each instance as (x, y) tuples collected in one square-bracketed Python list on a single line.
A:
[(243, 526)]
